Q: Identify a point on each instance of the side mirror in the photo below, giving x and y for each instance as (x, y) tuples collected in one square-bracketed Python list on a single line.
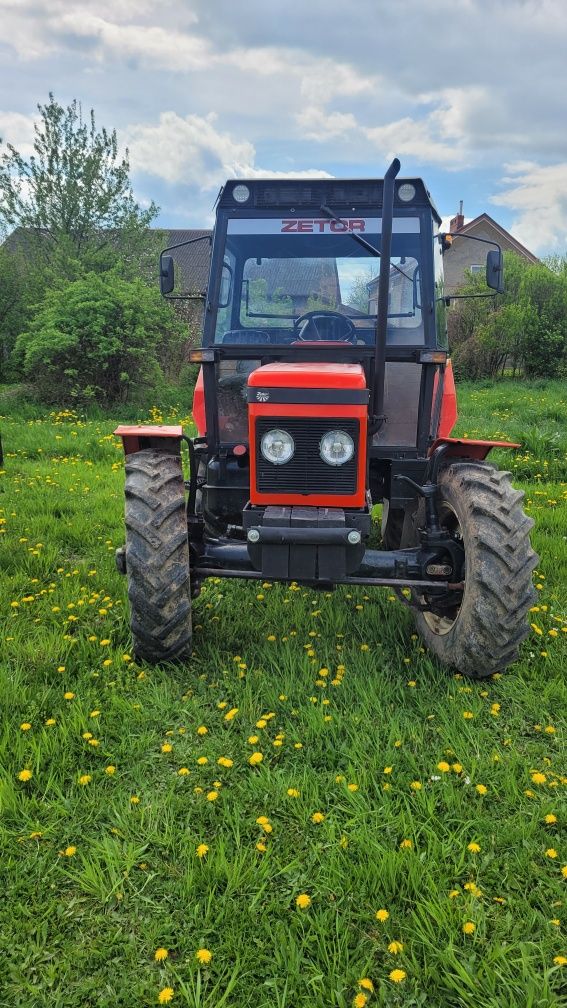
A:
[(166, 274), (495, 270)]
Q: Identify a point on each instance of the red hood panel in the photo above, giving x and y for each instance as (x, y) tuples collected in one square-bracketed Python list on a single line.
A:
[(305, 375)]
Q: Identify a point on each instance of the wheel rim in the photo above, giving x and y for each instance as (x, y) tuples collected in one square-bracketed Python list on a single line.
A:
[(442, 624)]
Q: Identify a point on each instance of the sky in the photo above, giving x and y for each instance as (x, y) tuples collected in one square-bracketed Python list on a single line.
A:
[(469, 94)]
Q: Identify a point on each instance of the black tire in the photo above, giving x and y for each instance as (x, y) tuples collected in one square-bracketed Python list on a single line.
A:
[(482, 635), (157, 557)]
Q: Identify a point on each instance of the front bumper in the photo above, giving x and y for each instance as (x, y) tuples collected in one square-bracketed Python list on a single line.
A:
[(305, 543)]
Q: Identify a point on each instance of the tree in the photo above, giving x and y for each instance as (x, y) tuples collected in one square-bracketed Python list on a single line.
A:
[(99, 337), (73, 200)]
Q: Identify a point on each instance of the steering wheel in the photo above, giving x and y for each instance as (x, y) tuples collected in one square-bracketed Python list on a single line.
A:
[(307, 324)]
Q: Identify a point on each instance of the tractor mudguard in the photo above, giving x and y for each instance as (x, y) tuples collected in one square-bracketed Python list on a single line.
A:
[(138, 437), (467, 448)]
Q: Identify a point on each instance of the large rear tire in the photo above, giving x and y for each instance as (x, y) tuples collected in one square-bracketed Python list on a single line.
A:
[(157, 557), (478, 505)]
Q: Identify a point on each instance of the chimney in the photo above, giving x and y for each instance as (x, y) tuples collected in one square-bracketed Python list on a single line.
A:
[(457, 221)]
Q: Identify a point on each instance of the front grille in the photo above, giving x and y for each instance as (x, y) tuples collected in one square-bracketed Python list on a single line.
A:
[(306, 473)]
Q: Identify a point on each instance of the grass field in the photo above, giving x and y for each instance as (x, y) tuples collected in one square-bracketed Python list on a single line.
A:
[(401, 841)]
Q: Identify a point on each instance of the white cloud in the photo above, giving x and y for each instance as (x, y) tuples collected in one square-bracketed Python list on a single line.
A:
[(17, 129), (537, 195), (191, 150), (421, 139), (318, 124)]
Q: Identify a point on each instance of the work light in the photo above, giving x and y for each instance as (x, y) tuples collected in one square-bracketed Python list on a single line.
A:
[(241, 193), (277, 446), (336, 447)]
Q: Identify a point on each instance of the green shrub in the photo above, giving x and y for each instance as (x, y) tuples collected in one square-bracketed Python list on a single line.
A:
[(98, 338)]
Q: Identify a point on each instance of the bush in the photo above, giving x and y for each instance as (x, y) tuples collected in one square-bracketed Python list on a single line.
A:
[(98, 338)]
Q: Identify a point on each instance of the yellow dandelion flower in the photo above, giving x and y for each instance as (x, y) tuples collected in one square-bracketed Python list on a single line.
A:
[(50, 721), (443, 766), (261, 847), (352, 787), (202, 760), (225, 762), (212, 795), (468, 715), (397, 975), (262, 820), (202, 850), (293, 792), (160, 954), (473, 847), (167, 747), (165, 995), (416, 785), (183, 771), (382, 915), (564, 870), (454, 893), (203, 956), (550, 818), (395, 947), (134, 800), (560, 960), (68, 695), (85, 779), (255, 758), (110, 770), (359, 1001), (551, 852), (303, 901), (25, 726), (69, 851), (202, 730), (253, 739), (231, 714), (481, 789), (366, 984), (25, 775), (406, 844), (317, 817), (538, 778), (469, 928)]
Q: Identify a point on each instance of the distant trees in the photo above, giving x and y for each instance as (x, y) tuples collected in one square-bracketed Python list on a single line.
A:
[(522, 332), (71, 217)]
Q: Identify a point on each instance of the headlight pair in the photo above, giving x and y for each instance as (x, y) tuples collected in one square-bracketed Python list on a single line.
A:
[(335, 448)]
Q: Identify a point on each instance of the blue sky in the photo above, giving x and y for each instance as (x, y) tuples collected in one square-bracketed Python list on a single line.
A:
[(470, 94)]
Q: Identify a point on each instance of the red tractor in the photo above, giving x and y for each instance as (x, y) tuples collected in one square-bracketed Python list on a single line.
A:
[(325, 389)]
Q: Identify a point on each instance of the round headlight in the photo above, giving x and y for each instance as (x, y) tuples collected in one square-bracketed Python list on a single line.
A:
[(277, 446), (336, 447), (240, 193), (406, 191)]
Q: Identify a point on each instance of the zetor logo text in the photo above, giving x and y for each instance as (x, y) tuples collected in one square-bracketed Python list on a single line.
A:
[(320, 225)]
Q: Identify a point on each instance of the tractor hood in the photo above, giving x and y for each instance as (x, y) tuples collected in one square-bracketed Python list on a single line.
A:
[(305, 382)]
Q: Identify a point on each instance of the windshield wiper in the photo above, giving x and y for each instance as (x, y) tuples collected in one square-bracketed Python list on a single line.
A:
[(361, 241)]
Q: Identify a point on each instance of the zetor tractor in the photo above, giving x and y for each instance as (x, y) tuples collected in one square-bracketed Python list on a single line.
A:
[(325, 389)]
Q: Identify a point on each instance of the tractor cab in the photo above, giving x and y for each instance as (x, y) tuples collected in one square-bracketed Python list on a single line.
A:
[(325, 389)]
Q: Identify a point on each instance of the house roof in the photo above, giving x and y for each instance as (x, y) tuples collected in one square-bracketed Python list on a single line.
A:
[(485, 218)]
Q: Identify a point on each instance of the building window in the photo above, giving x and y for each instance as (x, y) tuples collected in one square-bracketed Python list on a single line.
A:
[(476, 269)]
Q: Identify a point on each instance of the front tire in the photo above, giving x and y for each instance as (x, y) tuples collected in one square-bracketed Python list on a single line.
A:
[(478, 504), (157, 557)]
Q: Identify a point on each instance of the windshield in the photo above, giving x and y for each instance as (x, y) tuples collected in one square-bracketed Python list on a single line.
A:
[(309, 280)]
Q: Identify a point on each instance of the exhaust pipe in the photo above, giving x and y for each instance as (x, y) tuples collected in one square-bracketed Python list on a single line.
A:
[(377, 417)]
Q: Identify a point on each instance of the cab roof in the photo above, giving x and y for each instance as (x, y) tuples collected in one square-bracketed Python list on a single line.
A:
[(305, 194)]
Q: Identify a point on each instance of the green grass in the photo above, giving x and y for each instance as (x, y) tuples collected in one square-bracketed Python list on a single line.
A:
[(80, 930)]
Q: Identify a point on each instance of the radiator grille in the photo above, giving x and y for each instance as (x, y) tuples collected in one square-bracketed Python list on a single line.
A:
[(306, 473)]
